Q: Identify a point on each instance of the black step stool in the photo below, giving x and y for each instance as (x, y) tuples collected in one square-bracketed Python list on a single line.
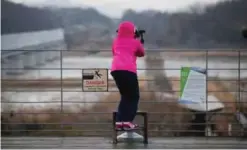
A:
[(143, 128)]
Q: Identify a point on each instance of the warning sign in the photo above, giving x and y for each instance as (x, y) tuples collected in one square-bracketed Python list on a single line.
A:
[(95, 80)]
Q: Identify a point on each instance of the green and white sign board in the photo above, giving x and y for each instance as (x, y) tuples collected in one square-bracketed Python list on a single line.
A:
[(193, 91), (193, 87)]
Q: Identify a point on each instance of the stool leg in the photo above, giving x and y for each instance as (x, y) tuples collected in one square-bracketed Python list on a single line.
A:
[(114, 128), (145, 129)]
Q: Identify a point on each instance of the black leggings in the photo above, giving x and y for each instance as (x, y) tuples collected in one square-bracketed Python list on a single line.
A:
[(127, 84)]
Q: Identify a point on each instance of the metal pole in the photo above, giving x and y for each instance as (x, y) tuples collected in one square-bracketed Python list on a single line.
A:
[(61, 84), (239, 80), (114, 138), (206, 92), (145, 128)]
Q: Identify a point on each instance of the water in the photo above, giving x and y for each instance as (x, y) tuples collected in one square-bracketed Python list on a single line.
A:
[(75, 99), (19, 40), (72, 67)]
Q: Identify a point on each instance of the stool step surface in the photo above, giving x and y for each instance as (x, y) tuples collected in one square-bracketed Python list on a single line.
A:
[(138, 113), (128, 129)]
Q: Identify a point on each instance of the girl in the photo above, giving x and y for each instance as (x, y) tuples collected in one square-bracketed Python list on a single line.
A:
[(125, 49)]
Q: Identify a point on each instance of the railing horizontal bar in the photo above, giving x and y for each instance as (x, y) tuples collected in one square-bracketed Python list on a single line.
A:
[(199, 50), (109, 135), (110, 123), (99, 102), (110, 113), (112, 130), (111, 80), (68, 91), (64, 69)]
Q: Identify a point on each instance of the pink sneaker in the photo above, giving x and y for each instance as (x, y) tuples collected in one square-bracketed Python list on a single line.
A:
[(126, 125), (129, 125), (119, 124)]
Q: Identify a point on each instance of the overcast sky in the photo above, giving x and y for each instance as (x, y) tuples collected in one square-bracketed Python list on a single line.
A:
[(114, 8)]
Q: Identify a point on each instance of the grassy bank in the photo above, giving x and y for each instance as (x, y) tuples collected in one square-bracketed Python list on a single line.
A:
[(50, 82), (97, 120), (166, 116)]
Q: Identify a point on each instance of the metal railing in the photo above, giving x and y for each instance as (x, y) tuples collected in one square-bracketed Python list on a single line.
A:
[(48, 100)]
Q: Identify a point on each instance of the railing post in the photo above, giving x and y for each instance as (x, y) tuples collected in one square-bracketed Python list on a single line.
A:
[(107, 80), (239, 89), (114, 139), (239, 80), (61, 84), (206, 92)]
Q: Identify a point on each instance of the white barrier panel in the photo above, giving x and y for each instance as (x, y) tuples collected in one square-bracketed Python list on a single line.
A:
[(20, 64), (15, 64), (49, 56), (30, 60), (40, 58), (5, 64)]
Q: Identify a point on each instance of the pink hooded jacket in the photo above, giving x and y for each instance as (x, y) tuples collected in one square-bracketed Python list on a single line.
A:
[(126, 48)]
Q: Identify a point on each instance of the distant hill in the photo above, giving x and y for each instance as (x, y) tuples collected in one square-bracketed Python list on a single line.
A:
[(215, 26), (20, 18), (86, 16)]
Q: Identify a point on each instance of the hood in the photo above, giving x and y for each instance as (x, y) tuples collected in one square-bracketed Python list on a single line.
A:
[(126, 29)]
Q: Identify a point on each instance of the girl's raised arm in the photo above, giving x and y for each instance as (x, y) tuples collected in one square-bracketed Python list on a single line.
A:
[(140, 52)]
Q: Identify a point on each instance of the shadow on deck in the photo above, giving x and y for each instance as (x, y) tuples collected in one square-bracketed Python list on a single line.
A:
[(105, 143)]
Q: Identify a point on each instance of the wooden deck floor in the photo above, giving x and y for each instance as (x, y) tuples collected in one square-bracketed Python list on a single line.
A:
[(105, 143)]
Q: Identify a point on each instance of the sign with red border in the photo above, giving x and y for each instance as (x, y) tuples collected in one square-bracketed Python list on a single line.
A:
[(95, 80)]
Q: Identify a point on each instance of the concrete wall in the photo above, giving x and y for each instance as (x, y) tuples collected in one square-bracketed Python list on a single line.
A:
[(30, 50)]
